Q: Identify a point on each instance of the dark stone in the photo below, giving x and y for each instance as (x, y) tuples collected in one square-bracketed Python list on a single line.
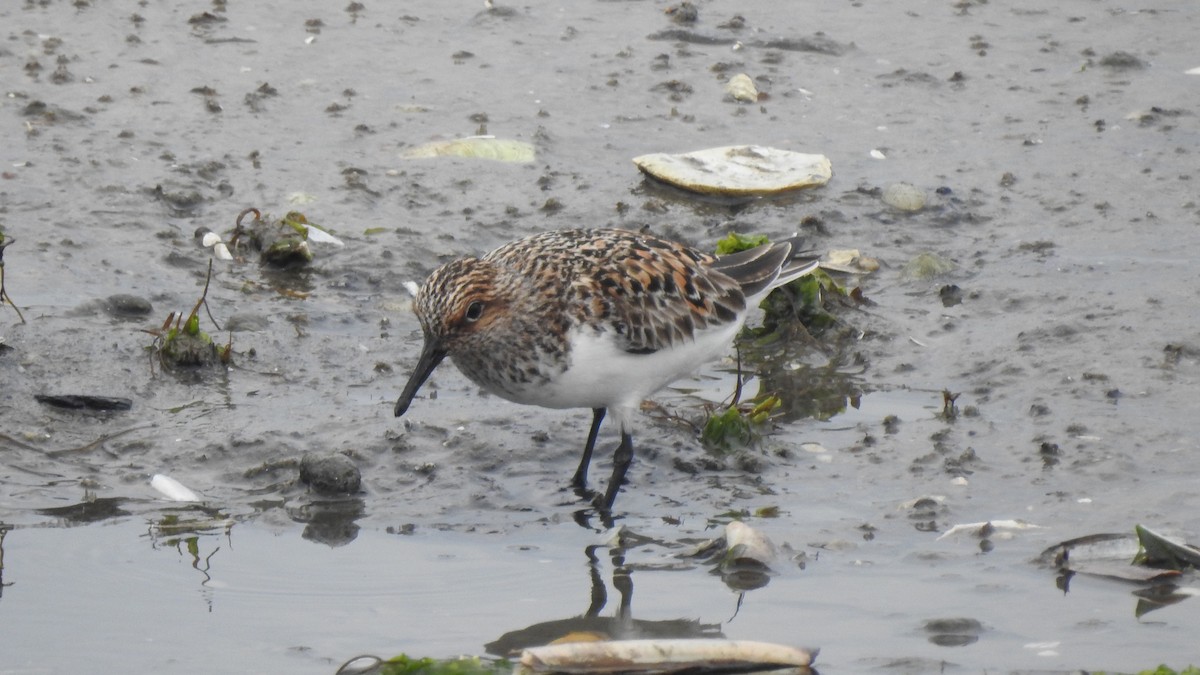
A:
[(84, 402), (332, 474), (125, 306)]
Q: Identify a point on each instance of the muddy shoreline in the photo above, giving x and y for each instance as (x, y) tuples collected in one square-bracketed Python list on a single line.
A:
[(1057, 151)]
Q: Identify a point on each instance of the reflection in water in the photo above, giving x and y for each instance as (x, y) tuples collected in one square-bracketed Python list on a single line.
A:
[(330, 522), (593, 626), (191, 537), (4, 529), (1159, 596), (816, 392), (1115, 556), (90, 510)]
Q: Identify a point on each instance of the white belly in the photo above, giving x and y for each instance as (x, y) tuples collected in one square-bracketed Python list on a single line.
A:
[(600, 375)]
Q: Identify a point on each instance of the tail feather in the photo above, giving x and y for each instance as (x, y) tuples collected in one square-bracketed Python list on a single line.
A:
[(763, 268)]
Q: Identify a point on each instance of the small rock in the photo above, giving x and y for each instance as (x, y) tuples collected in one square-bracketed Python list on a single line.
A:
[(84, 402), (330, 474), (125, 306)]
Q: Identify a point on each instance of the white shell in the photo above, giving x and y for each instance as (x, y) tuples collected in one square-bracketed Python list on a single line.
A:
[(742, 88), (848, 260), (666, 655), (738, 170), (744, 543), (481, 147)]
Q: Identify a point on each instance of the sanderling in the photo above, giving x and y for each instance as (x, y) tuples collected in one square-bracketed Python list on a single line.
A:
[(598, 319)]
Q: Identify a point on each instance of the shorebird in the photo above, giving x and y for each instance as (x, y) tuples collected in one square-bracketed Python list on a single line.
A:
[(592, 318)]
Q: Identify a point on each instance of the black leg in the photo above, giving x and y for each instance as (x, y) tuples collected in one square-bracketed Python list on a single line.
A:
[(580, 479), (622, 458)]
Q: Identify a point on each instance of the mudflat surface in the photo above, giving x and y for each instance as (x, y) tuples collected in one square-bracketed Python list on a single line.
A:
[(1057, 147)]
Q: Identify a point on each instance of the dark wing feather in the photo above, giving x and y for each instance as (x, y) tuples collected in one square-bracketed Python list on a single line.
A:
[(765, 267)]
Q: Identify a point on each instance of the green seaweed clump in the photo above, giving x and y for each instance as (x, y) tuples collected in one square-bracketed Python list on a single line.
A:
[(465, 665), (734, 242), (179, 342), (737, 427)]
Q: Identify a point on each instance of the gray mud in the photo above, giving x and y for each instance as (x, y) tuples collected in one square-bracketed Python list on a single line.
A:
[(1058, 146)]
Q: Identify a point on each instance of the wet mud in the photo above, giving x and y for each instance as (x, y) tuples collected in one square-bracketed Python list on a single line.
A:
[(1056, 148)]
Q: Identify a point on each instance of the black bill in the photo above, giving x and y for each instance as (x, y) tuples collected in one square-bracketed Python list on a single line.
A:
[(431, 356)]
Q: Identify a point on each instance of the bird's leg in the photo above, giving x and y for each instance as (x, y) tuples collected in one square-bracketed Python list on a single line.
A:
[(580, 479), (622, 458)]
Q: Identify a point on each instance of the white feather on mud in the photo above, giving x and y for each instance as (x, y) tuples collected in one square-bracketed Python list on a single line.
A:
[(316, 234), (172, 489)]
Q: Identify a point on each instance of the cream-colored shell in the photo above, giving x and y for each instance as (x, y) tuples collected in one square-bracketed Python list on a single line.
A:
[(738, 170)]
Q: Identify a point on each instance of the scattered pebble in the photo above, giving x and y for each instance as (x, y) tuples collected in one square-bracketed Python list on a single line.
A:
[(125, 306)]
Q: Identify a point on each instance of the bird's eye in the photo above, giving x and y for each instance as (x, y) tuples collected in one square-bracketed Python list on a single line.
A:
[(474, 311)]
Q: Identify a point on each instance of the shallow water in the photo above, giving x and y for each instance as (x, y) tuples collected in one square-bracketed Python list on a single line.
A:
[(1077, 328)]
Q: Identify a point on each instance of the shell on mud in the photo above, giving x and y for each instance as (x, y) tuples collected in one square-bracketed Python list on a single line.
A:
[(848, 260), (738, 170), (742, 88), (480, 147), (904, 196), (928, 265)]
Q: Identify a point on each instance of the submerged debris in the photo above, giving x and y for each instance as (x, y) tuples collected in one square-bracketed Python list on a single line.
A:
[(738, 170), (1144, 556), (1155, 550)]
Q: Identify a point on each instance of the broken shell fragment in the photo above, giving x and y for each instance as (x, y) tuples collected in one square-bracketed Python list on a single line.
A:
[(742, 88), (928, 265), (480, 147), (848, 260), (738, 170)]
